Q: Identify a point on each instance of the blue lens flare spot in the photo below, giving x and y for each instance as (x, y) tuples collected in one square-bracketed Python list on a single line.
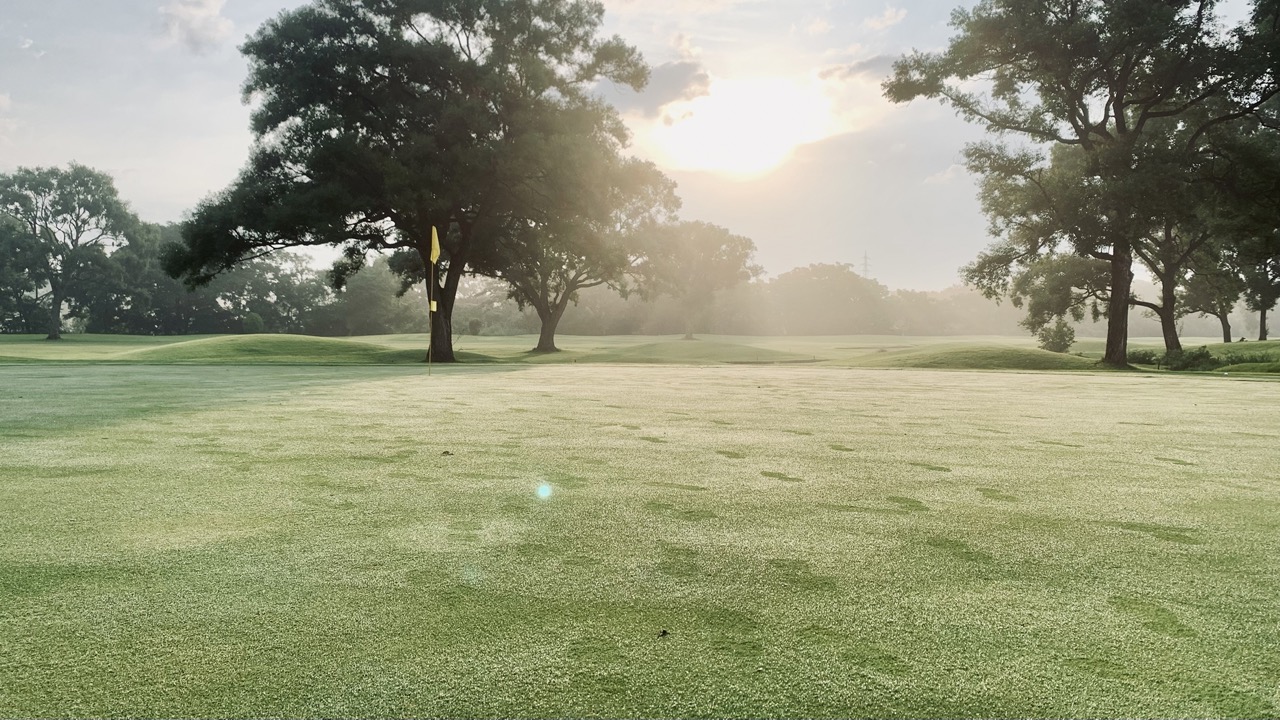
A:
[(544, 491)]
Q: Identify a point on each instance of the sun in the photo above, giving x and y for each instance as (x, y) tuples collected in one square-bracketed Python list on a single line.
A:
[(742, 128)]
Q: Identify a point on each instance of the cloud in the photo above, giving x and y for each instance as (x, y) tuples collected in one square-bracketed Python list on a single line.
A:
[(945, 177), (887, 19), (670, 8), (197, 24), (6, 102), (25, 43), (668, 83), (820, 26), (875, 67)]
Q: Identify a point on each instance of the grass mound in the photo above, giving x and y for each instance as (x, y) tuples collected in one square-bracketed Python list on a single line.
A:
[(977, 357), (695, 352), (1256, 367), (272, 349)]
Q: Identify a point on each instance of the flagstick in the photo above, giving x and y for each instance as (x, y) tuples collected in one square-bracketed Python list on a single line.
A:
[(431, 303), (431, 327)]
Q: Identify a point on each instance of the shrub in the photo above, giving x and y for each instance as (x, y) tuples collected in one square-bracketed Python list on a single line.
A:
[(1198, 359), (252, 323), (1057, 337), (1235, 358), (1143, 357)]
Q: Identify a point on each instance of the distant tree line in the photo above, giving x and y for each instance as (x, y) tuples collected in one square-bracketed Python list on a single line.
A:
[(694, 278), (73, 255)]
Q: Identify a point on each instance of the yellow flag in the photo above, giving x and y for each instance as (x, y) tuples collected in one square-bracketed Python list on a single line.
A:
[(435, 245)]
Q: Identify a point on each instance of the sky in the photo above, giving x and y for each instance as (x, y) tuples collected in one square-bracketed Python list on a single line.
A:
[(767, 113)]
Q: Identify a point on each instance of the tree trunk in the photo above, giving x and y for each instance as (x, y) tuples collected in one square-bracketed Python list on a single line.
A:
[(1117, 352), (1167, 313), (441, 350), (55, 317), (1169, 328), (1226, 327), (547, 334), (550, 316), (1262, 325)]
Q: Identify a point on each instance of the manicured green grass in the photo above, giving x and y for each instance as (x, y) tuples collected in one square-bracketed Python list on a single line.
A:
[(272, 349), (225, 540), (864, 351), (962, 356)]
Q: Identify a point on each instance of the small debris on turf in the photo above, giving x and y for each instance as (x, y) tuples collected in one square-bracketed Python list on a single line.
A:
[(663, 633), (446, 453)]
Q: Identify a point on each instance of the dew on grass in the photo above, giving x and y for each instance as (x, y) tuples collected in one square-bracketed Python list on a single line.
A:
[(994, 494), (908, 504)]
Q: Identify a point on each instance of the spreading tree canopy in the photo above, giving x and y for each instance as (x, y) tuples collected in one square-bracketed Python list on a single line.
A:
[(589, 232), (1099, 76), (69, 220), (376, 120), (692, 261)]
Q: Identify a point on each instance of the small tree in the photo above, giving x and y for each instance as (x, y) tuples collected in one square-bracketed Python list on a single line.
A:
[(692, 261), (585, 232), (1058, 337), (1212, 288)]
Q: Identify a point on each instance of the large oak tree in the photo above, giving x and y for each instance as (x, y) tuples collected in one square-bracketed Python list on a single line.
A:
[(377, 120)]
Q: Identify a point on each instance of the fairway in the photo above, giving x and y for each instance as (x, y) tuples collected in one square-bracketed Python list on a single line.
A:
[(635, 541)]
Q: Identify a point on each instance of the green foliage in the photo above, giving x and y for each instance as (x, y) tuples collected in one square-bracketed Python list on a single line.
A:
[(692, 262), (71, 220), (585, 231), (829, 299), (1057, 337), (372, 301), (1125, 93), (377, 121), (1145, 357), (1247, 358), (22, 282), (252, 323), (1195, 359)]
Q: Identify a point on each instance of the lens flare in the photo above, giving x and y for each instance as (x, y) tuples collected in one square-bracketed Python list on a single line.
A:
[(544, 491)]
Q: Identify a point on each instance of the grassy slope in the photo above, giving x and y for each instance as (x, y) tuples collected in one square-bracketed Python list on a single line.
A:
[(282, 349), (977, 357), (231, 541), (863, 351)]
